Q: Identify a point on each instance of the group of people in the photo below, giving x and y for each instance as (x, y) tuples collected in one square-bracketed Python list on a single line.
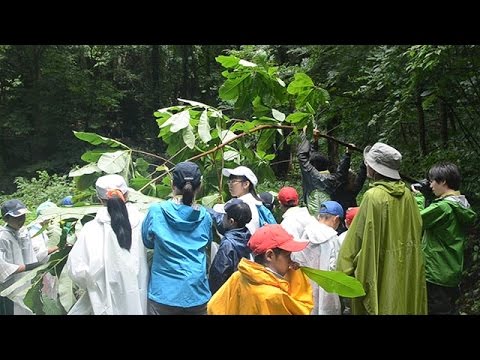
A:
[(256, 269)]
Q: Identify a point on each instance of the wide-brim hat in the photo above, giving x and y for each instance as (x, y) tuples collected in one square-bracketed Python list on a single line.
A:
[(384, 159)]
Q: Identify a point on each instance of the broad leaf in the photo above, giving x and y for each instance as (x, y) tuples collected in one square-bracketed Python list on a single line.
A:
[(296, 117), (231, 155), (96, 139), (194, 103), (278, 115), (211, 200), (87, 169), (301, 82), (204, 128), (178, 121), (227, 61), (231, 87), (335, 282), (92, 156), (226, 136), (188, 137), (246, 63), (52, 307), (65, 291), (113, 163)]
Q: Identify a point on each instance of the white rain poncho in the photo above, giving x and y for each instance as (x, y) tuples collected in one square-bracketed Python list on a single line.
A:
[(15, 249), (115, 279), (295, 219), (321, 253)]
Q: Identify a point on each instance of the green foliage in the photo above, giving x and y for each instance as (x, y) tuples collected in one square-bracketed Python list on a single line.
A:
[(335, 282), (35, 191)]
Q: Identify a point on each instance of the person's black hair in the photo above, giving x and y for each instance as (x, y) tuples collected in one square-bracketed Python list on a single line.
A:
[(267, 199), (260, 259), (188, 193), (120, 222), (319, 162), (241, 213), (447, 172)]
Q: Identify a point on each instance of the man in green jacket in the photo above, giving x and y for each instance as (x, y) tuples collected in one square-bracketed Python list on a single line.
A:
[(382, 248), (445, 222)]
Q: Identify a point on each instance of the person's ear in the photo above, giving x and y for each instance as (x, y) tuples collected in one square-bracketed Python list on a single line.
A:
[(269, 255)]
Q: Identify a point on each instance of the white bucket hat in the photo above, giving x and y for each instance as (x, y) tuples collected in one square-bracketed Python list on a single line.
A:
[(110, 182), (384, 159), (241, 171)]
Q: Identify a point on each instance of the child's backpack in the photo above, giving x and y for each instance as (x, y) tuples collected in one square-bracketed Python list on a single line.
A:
[(265, 216)]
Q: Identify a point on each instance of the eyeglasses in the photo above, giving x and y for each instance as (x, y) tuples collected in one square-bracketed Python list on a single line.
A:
[(233, 181)]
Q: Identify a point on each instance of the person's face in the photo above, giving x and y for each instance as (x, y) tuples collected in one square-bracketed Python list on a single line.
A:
[(438, 188), (237, 186), (370, 172), (279, 262), (228, 222), (16, 222)]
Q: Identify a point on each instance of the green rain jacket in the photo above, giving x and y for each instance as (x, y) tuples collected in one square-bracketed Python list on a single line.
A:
[(382, 250), (445, 223)]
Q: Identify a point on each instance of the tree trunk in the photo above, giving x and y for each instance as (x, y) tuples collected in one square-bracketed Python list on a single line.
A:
[(332, 146), (421, 122), (443, 123), (156, 89), (186, 74)]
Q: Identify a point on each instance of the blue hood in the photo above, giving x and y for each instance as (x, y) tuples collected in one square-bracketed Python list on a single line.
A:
[(182, 217)]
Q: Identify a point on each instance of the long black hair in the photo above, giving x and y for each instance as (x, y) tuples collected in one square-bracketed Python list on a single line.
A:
[(120, 222), (188, 194)]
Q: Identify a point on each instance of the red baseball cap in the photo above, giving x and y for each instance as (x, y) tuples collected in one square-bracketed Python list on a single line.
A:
[(288, 196), (273, 236), (351, 212)]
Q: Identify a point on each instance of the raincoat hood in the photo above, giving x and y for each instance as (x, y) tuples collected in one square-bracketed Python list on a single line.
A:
[(393, 188), (257, 274), (318, 233), (300, 214), (460, 207), (182, 217)]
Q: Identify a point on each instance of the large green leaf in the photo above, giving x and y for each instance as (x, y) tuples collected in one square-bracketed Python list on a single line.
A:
[(115, 162), (33, 298), (258, 108), (194, 103), (227, 61), (25, 279), (87, 169), (189, 137), (211, 200), (231, 87), (52, 307), (65, 291), (278, 115), (301, 82), (296, 117), (177, 121), (266, 140), (226, 136), (96, 139), (204, 128), (93, 155), (335, 282)]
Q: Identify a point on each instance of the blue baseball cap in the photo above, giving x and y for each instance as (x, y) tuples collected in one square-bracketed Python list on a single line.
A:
[(332, 208)]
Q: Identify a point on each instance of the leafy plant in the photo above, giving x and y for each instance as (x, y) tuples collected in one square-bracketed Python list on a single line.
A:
[(335, 282)]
